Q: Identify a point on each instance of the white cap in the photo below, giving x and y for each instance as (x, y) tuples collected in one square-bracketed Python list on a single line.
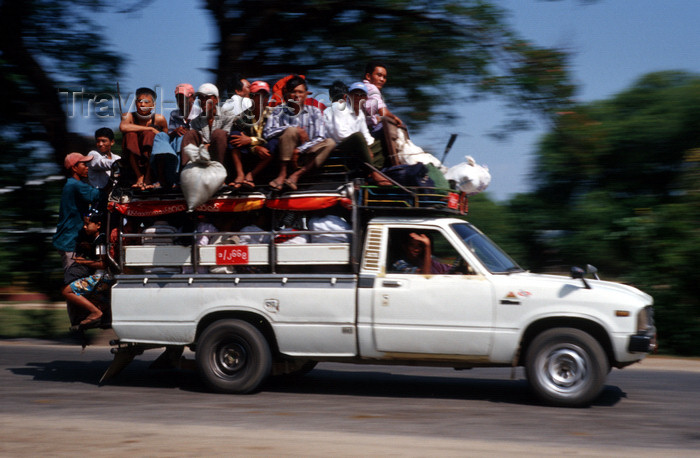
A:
[(208, 89)]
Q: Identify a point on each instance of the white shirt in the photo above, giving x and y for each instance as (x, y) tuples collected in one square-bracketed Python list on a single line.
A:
[(341, 122), (236, 105), (100, 169)]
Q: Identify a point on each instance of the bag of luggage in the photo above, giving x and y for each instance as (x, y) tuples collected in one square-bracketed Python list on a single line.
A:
[(469, 177), (201, 177)]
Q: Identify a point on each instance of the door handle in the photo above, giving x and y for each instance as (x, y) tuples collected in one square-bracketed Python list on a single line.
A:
[(391, 283)]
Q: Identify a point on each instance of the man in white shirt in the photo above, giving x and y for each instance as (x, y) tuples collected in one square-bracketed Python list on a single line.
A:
[(346, 124), (211, 127), (240, 101)]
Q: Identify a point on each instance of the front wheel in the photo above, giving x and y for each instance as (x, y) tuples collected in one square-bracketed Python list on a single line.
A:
[(566, 367), (233, 356)]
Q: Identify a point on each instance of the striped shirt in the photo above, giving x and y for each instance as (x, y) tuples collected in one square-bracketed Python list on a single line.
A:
[(310, 118)]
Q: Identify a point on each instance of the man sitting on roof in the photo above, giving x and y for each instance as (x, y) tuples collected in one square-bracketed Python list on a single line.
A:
[(181, 117), (375, 108), (211, 127), (239, 101), (246, 139), (345, 123), (301, 132), (277, 97)]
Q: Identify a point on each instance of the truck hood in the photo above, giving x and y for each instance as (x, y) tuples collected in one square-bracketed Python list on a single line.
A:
[(563, 288)]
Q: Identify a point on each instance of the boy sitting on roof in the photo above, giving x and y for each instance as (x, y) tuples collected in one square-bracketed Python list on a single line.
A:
[(247, 139), (300, 130), (346, 124), (100, 165), (211, 127), (140, 129)]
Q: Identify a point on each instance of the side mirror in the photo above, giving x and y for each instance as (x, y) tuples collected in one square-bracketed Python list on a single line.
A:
[(577, 272), (592, 270)]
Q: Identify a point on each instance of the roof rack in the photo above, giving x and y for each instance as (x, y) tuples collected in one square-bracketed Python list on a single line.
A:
[(310, 197)]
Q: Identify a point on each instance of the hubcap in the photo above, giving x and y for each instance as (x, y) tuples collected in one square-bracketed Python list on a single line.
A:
[(565, 370), (231, 358)]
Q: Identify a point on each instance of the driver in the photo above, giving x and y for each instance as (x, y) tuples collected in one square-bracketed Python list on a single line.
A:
[(417, 257)]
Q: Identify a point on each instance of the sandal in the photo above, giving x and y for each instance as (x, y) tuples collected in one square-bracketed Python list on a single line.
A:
[(247, 184), (87, 323), (291, 185), (275, 185)]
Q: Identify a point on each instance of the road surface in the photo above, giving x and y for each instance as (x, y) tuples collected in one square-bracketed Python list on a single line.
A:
[(51, 404)]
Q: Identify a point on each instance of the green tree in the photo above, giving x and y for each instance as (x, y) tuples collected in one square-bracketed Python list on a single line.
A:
[(46, 45), (433, 49)]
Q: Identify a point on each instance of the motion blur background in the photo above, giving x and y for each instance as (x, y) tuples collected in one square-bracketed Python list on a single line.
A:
[(586, 112)]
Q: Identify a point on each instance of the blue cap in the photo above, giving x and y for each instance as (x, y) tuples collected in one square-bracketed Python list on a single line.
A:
[(358, 86)]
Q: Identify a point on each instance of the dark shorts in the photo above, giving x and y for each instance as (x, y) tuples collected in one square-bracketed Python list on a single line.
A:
[(271, 144)]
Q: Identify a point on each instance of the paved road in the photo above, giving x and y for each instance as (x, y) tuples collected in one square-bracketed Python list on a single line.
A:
[(51, 404)]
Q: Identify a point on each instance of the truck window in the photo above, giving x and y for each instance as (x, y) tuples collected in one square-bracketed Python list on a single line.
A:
[(490, 254), (414, 251)]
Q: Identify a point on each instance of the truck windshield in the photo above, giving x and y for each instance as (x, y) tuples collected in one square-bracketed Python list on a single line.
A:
[(490, 254)]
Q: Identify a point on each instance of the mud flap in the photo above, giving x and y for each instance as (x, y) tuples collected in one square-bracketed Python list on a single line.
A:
[(122, 357), (169, 359)]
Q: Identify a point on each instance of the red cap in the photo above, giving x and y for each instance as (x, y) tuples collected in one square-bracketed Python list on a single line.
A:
[(184, 88), (257, 86), (74, 158)]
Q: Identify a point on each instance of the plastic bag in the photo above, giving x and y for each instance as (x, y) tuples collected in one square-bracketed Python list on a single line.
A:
[(470, 177), (329, 223), (409, 153), (201, 177)]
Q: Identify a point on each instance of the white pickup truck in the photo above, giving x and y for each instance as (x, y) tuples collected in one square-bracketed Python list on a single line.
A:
[(281, 308)]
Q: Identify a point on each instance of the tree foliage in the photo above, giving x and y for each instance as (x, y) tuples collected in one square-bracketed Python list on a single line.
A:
[(45, 45), (434, 50), (632, 145)]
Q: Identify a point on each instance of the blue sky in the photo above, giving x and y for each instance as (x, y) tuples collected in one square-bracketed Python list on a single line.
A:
[(612, 43)]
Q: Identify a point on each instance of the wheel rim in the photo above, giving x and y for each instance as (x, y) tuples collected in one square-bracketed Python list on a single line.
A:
[(230, 358), (565, 369)]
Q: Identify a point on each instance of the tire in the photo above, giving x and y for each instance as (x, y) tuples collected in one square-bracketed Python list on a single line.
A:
[(566, 367), (233, 357)]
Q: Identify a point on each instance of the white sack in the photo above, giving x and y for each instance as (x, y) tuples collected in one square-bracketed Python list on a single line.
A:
[(329, 223), (409, 153), (470, 177), (201, 177)]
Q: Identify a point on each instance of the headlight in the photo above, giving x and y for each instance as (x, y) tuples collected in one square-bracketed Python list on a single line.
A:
[(645, 319)]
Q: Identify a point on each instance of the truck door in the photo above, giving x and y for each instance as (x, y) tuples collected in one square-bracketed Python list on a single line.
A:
[(448, 311)]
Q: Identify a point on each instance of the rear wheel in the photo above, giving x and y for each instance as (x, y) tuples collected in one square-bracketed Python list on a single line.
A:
[(233, 356), (566, 367)]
